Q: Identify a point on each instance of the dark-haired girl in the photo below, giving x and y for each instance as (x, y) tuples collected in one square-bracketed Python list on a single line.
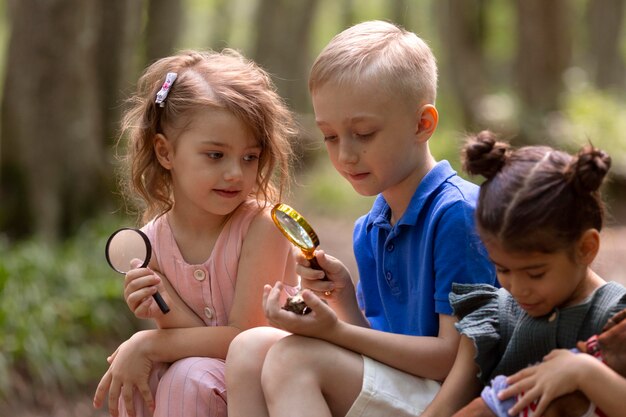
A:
[(539, 215)]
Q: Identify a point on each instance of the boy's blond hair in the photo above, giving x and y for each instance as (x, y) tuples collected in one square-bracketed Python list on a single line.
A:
[(380, 52)]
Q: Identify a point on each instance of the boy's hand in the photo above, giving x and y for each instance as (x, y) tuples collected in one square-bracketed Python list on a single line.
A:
[(319, 323), (337, 276), (140, 284)]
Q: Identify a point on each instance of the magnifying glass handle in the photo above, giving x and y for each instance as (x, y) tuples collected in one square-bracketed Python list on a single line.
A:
[(316, 265), (161, 303)]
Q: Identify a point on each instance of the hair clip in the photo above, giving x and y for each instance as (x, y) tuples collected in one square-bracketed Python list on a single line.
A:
[(165, 88)]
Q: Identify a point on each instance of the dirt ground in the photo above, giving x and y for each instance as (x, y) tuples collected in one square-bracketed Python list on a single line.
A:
[(336, 239)]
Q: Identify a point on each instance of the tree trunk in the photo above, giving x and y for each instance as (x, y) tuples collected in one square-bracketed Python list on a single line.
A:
[(543, 53), (462, 32), (116, 61), (221, 24), (348, 17), (282, 46), (163, 28), (54, 153), (399, 12), (605, 22)]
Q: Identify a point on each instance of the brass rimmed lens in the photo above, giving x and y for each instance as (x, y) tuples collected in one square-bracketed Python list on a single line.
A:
[(295, 228)]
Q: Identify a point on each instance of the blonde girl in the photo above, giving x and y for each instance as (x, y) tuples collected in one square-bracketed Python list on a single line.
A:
[(208, 153)]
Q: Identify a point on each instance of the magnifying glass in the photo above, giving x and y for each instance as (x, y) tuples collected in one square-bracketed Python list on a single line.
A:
[(127, 244), (297, 230)]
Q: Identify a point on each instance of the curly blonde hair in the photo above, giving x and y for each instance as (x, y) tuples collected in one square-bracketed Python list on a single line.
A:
[(224, 80)]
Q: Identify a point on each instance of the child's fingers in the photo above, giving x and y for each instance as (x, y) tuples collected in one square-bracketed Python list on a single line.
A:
[(136, 273), (271, 299), (127, 395), (112, 356), (137, 282), (515, 388), (527, 399), (114, 395), (101, 390), (146, 307), (319, 286), (307, 273), (615, 320), (146, 394), (314, 302)]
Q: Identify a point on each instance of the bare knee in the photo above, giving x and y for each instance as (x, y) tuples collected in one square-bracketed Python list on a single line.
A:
[(291, 360), (314, 371), (247, 351)]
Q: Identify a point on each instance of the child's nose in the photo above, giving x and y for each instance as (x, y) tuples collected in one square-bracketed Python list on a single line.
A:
[(517, 288), (233, 172), (347, 153)]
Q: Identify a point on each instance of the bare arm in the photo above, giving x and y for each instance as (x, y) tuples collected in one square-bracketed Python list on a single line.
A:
[(461, 385), (265, 257), (428, 357)]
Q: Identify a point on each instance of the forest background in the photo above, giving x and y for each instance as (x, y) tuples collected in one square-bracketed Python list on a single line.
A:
[(535, 71)]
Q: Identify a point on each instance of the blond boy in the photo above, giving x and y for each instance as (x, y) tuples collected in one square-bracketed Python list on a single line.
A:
[(380, 348)]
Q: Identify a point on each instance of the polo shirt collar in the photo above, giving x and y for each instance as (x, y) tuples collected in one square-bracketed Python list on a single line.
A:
[(381, 212)]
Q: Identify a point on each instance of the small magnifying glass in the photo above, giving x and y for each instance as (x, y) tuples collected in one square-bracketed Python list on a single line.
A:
[(298, 231), (127, 244)]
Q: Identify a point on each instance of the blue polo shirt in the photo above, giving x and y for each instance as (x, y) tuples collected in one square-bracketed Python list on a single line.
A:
[(407, 270)]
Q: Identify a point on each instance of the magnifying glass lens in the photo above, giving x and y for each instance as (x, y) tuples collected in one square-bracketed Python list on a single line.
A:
[(124, 246), (127, 244), (295, 231)]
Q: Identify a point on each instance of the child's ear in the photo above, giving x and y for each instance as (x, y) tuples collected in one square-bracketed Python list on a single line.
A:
[(163, 150), (428, 118), (588, 246)]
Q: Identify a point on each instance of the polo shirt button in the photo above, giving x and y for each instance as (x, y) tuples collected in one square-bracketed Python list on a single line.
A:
[(388, 276), (199, 275), (208, 313), (390, 247)]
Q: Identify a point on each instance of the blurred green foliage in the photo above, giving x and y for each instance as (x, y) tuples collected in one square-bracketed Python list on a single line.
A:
[(61, 314), (593, 116)]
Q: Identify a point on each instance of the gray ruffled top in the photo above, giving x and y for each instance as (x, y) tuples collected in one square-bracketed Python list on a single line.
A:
[(507, 339)]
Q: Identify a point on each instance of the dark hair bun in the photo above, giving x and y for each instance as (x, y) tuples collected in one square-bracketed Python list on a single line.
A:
[(589, 169), (484, 155)]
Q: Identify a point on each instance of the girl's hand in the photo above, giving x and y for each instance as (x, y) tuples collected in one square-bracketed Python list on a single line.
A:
[(338, 276), (612, 341), (557, 375), (140, 284), (129, 370), (320, 322)]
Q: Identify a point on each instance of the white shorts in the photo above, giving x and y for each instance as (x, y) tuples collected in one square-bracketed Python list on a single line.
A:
[(387, 391)]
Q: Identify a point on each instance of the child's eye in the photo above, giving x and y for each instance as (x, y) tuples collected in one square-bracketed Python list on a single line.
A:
[(536, 275), (501, 270), (215, 155), (329, 138), (364, 135), (251, 157)]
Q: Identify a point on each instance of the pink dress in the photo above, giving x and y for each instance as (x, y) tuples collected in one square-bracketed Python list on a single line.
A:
[(195, 386)]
